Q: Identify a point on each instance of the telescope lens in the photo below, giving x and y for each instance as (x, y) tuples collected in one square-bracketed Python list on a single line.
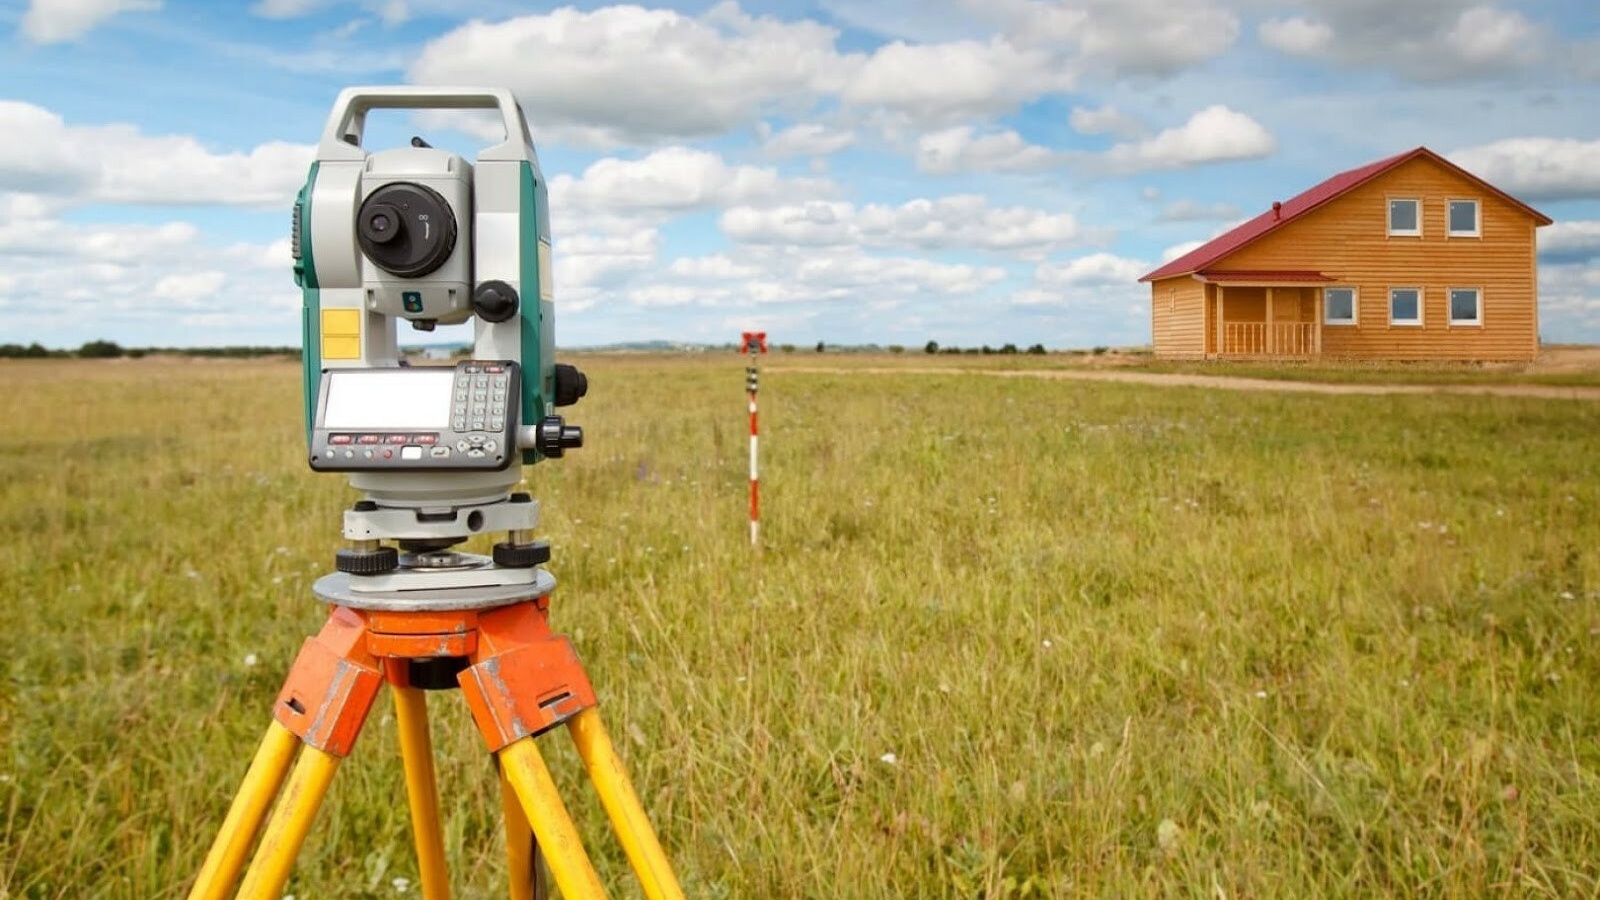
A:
[(406, 229)]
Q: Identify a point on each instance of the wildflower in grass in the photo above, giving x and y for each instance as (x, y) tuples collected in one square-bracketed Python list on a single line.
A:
[(1048, 644), (1169, 836), (250, 660), (401, 885), (1566, 595), (889, 758)]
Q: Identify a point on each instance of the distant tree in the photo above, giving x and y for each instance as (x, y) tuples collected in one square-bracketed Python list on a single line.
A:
[(1037, 350), (931, 347), (100, 350), (1100, 351), (896, 348), (36, 350), (1009, 349), (821, 347), (787, 348), (136, 352), (987, 350)]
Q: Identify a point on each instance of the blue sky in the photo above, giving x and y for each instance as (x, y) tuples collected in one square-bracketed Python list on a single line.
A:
[(852, 171)]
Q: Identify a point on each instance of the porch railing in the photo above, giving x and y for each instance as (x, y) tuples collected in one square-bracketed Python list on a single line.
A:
[(1286, 339)]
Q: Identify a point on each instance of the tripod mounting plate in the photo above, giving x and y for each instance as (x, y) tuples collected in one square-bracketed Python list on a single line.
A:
[(336, 589)]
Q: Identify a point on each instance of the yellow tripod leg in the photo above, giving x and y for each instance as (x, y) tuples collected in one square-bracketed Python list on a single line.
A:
[(520, 872), (622, 806), (422, 790), (245, 815), (291, 822), (563, 849)]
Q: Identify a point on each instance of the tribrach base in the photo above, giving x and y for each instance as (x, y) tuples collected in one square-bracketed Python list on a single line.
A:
[(519, 680)]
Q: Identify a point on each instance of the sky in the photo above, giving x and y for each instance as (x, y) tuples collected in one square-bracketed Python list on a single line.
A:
[(848, 171)]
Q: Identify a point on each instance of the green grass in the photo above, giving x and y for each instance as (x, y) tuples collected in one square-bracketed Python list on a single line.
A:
[(1119, 640)]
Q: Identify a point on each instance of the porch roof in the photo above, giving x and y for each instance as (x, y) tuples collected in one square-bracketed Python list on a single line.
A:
[(1262, 277)]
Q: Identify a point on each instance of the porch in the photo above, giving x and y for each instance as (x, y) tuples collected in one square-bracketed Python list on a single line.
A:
[(1263, 315)]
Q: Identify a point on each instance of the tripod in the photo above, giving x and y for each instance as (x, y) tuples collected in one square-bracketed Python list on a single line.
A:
[(519, 680)]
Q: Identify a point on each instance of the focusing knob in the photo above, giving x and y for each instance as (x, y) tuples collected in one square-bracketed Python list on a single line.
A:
[(571, 385), (367, 562), (495, 301), (406, 229), (556, 436)]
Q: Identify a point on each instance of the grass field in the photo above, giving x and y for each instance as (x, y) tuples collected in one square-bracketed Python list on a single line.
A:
[(1006, 637)]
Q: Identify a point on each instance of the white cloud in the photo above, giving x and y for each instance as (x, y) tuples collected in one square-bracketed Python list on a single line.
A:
[(937, 83), (962, 149), (120, 164), (667, 183), (1574, 241), (1214, 134), (1104, 120), (1296, 36), (1177, 250), (1094, 269), (950, 223), (1435, 40), (804, 140), (625, 74), (1537, 168), (161, 284), (56, 21)]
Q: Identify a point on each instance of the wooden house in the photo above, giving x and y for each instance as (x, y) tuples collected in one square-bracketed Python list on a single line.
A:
[(1410, 257)]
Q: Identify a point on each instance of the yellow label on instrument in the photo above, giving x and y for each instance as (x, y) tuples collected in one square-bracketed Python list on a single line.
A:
[(341, 334)]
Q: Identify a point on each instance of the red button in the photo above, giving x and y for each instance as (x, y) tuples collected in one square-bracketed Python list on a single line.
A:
[(399, 438), (369, 439), (388, 454), (494, 370), (425, 440), (338, 438)]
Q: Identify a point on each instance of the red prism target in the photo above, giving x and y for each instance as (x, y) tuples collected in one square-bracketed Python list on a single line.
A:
[(753, 343)]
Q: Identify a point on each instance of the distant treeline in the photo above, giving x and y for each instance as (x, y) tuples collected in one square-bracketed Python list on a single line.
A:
[(930, 347), (113, 350)]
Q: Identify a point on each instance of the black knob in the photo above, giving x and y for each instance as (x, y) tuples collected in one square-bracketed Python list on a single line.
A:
[(571, 384), (494, 301), (366, 562), (521, 556), (557, 437)]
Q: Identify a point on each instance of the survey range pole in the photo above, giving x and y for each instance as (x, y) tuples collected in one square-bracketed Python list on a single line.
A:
[(753, 343)]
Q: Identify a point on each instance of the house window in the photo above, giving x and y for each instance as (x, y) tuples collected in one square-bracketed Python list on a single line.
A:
[(1405, 218), (1405, 306), (1339, 306), (1464, 218), (1466, 306)]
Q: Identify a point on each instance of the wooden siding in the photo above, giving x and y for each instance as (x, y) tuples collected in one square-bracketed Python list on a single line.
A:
[(1348, 240), (1178, 318)]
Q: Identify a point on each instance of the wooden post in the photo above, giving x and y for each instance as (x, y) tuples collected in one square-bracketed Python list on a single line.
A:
[(1319, 317), (1272, 337), (1222, 325)]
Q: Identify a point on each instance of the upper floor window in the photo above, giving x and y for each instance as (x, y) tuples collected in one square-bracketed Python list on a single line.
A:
[(1464, 218), (1405, 217)]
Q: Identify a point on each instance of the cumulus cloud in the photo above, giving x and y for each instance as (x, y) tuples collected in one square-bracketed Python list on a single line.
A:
[(1104, 120), (1574, 241), (949, 223), (163, 283), (963, 149), (1296, 36), (1214, 134), (118, 163), (1436, 40), (1537, 168), (667, 183), (626, 74), (1094, 269), (57, 21), (804, 140), (954, 81)]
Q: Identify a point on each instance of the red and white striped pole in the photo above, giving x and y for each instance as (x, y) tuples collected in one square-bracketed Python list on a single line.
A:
[(754, 342)]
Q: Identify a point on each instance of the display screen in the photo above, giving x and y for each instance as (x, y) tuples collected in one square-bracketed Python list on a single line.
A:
[(388, 400)]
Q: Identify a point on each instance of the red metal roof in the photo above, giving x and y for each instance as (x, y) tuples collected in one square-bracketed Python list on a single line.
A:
[(1262, 276), (1283, 213)]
